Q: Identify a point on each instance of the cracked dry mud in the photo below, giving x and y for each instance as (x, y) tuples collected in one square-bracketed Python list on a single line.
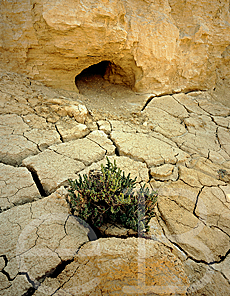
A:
[(178, 144)]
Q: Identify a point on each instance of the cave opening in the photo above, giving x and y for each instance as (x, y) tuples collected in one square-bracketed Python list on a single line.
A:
[(104, 71), (93, 72), (106, 86)]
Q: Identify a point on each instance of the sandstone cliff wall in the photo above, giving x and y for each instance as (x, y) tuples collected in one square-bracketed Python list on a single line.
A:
[(159, 46)]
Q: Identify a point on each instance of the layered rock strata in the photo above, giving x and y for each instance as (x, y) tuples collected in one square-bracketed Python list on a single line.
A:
[(152, 46)]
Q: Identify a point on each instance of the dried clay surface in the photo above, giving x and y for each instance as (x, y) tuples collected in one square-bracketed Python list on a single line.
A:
[(178, 144)]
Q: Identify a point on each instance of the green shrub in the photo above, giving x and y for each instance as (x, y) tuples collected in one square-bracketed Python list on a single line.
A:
[(110, 196)]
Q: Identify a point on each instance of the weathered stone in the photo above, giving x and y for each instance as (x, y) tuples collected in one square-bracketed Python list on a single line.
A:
[(164, 123), (223, 267), (19, 286), (103, 141), (14, 148), (183, 194), (164, 172), (53, 169), (43, 138), (198, 142), (104, 126), (13, 145), (170, 105), (2, 263), (118, 266), (69, 129), (83, 150), (16, 187), (42, 234), (192, 212), (122, 126), (195, 178), (147, 149), (109, 230), (189, 103), (214, 108), (207, 166), (222, 121), (14, 122), (146, 45), (224, 138), (182, 227), (156, 233), (205, 280), (79, 112), (11, 105), (218, 158), (213, 207), (36, 122), (4, 283), (200, 123)]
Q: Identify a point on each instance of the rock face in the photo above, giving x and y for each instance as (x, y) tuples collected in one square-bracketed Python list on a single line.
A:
[(153, 46)]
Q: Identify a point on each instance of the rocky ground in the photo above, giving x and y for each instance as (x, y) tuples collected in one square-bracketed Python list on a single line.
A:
[(179, 144)]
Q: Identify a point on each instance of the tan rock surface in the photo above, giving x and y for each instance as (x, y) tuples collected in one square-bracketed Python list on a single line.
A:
[(164, 172), (43, 138), (43, 235), (103, 141), (223, 136), (197, 179), (162, 122), (213, 208), (189, 102), (14, 148), (177, 216), (170, 105), (118, 266), (192, 215), (205, 280), (147, 149), (224, 267), (83, 150), (16, 187), (69, 129), (53, 169), (159, 47)]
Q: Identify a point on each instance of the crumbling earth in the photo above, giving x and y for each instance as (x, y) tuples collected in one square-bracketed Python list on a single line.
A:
[(179, 144)]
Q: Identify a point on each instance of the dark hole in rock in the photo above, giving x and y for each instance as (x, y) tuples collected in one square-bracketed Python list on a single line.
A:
[(93, 72), (96, 76)]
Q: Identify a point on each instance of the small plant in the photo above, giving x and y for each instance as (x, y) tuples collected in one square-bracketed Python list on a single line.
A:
[(110, 196)]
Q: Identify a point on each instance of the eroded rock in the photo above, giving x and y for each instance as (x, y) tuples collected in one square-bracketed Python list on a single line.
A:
[(119, 266), (176, 213), (147, 149), (14, 148), (53, 169), (42, 236), (164, 172), (102, 140), (83, 150), (145, 42), (69, 129), (16, 187)]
